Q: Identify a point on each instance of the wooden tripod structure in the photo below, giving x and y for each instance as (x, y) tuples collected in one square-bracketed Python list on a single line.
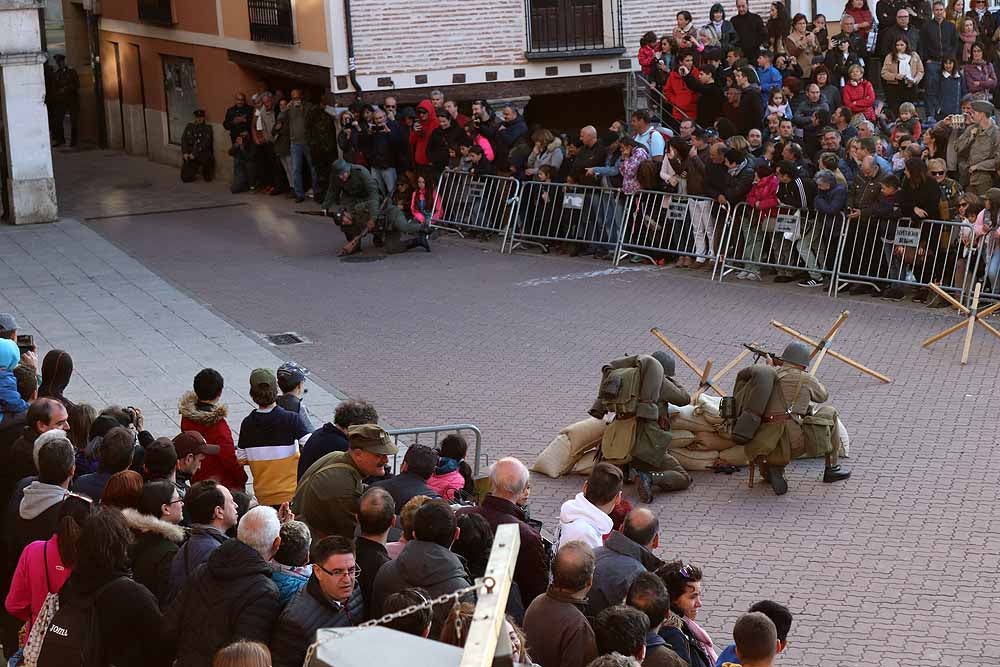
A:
[(821, 348), (975, 316), (704, 380)]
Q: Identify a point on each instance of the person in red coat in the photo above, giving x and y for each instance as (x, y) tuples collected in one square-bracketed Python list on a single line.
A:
[(858, 94), (676, 91), (201, 411), (420, 135)]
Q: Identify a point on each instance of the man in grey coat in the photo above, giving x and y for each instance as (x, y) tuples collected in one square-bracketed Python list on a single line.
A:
[(624, 555)]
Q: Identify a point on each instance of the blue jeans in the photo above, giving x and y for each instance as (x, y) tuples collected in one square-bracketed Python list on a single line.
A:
[(993, 270), (300, 154), (932, 85), (387, 177)]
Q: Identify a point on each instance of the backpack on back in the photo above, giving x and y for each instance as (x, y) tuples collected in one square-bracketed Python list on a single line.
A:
[(73, 636)]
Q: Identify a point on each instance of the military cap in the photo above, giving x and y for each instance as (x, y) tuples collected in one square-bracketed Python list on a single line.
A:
[(371, 438), (983, 107), (796, 354)]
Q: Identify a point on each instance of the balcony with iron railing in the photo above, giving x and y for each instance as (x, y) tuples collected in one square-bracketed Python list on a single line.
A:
[(573, 28), (156, 11), (271, 21)]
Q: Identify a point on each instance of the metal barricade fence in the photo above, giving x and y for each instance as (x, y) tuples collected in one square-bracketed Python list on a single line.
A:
[(412, 437), (983, 265), (789, 240), (482, 203), (659, 222), (878, 252), (560, 212)]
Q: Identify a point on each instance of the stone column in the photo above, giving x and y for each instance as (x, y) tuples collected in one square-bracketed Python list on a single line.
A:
[(30, 186)]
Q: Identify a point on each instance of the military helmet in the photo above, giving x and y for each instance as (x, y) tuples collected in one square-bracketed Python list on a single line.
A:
[(341, 166), (669, 367), (796, 354)]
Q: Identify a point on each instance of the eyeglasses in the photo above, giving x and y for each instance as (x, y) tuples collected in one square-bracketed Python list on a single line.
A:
[(963, 204), (340, 574), (174, 502)]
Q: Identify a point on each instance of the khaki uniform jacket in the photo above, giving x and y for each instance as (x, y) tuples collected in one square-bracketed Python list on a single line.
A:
[(328, 495), (978, 152), (780, 441)]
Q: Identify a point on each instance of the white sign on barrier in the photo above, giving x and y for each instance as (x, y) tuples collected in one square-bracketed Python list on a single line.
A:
[(908, 236), (677, 211), (787, 224), (573, 201)]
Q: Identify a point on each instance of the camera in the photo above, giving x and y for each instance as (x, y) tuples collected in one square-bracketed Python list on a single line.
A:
[(25, 343)]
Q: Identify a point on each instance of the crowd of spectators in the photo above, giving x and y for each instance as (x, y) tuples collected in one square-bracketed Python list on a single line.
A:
[(122, 547)]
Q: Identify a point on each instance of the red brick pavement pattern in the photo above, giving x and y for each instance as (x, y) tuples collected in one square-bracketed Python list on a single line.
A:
[(896, 566)]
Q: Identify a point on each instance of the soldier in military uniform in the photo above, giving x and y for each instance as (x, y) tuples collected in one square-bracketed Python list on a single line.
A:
[(196, 149), (789, 425), (640, 434)]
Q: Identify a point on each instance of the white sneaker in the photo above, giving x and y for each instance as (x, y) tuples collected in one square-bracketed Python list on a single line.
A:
[(742, 275), (752, 277)]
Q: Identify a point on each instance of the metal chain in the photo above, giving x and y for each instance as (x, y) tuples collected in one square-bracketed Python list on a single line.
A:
[(483, 582)]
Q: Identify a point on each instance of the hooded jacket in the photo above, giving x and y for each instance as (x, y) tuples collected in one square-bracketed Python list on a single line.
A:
[(209, 419), (201, 542), (763, 196), (11, 402), (859, 98), (40, 571), (57, 368), (425, 565), (306, 613), (153, 551), (420, 139), (680, 95), (579, 519), (725, 33), (229, 597)]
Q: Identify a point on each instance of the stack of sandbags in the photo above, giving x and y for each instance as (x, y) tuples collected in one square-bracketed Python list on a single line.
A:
[(571, 447), (706, 440)]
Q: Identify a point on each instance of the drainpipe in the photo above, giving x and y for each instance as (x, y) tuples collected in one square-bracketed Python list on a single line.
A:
[(352, 66), (92, 12)]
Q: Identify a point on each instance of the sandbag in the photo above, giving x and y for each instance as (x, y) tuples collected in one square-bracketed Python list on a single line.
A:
[(694, 460), (736, 455), (681, 439), (842, 439), (556, 459), (708, 409), (713, 441), (586, 463), (685, 419), (583, 434)]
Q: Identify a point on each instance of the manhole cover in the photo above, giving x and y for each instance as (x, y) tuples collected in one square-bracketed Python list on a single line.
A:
[(362, 258), (287, 338)]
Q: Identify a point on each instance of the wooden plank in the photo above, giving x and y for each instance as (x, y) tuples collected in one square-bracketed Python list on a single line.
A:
[(487, 622)]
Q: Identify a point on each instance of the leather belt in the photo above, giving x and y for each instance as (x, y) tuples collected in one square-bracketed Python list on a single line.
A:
[(780, 417)]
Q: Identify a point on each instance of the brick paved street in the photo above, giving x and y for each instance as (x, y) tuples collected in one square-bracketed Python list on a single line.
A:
[(897, 566)]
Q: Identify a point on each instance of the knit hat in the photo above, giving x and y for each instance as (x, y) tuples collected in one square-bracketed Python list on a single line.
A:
[(341, 167)]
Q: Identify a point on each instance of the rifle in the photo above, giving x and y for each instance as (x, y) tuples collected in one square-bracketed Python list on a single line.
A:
[(318, 213), (758, 352)]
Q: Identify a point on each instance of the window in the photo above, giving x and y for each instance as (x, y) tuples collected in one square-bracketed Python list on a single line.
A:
[(181, 93), (271, 21), (561, 26), (156, 11)]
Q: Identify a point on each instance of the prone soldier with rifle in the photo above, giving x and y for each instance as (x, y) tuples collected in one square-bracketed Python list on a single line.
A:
[(775, 416), (356, 205)]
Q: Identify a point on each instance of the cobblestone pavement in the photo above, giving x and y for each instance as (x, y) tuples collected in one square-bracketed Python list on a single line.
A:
[(897, 565)]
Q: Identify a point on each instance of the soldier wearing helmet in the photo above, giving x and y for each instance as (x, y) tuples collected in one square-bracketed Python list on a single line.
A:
[(790, 426)]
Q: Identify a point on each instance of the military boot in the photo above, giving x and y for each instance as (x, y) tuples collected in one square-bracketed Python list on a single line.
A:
[(778, 481), (644, 486), (764, 471), (833, 472)]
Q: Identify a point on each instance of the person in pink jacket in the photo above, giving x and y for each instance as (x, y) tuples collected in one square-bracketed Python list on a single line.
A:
[(44, 566), (452, 474), (421, 202), (763, 197)]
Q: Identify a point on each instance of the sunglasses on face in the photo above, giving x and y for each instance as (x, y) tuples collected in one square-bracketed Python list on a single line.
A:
[(937, 173)]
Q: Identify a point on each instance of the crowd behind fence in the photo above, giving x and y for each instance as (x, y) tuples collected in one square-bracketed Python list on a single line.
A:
[(835, 251)]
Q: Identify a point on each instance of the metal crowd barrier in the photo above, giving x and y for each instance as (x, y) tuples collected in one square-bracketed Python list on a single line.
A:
[(659, 222), (900, 251), (481, 203), (785, 239), (560, 212), (436, 431), (979, 269)]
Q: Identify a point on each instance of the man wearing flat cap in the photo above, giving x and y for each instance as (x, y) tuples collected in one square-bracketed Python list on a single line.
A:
[(978, 149), (330, 490), (197, 149)]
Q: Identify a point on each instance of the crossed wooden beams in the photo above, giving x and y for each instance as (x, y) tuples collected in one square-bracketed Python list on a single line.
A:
[(975, 316), (821, 349)]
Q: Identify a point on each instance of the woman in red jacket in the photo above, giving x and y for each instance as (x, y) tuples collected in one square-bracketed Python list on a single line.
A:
[(858, 94), (862, 17), (647, 52), (202, 411), (763, 197), (676, 91), (420, 136)]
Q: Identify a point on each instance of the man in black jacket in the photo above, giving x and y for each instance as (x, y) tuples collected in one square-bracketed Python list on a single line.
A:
[(750, 29), (330, 599), (231, 596), (939, 39), (376, 517), (418, 466), (751, 106), (709, 94), (332, 436), (238, 117)]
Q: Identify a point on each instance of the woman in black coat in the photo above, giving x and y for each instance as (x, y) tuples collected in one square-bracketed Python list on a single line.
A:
[(157, 536)]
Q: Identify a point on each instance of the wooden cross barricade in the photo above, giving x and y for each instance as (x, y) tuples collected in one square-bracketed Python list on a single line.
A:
[(821, 348), (705, 379), (975, 316)]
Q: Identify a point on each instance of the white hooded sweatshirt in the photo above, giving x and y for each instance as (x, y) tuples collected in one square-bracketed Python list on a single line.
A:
[(579, 519)]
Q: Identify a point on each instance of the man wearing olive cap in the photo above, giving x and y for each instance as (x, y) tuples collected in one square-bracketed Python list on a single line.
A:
[(354, 192), (978, 148), (790, 426), (329, 491)]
